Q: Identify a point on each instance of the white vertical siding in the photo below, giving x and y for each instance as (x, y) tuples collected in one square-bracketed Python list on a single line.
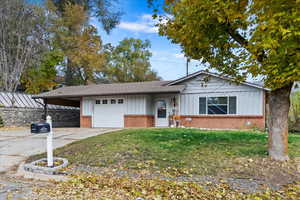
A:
[(136, 105), (197, 85), (248, 103), (249, 99), (87, 106), (149, 105)]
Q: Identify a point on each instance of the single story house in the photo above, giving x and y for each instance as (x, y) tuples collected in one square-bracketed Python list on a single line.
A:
[(201, 99)]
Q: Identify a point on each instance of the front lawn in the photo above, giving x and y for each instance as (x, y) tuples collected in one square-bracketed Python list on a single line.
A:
[(181, 151), (176, 164)]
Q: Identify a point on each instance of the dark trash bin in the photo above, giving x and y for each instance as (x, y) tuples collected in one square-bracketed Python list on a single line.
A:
[(40, 127)]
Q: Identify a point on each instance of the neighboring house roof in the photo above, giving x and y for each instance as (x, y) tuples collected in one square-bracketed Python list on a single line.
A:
[(256, 85), (113, 89), (21, 100)]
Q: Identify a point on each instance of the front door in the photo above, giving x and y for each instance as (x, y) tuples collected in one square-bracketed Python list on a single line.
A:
[(161, 113)]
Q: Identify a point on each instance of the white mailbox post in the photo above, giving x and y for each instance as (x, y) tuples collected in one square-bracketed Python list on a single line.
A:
[(49, 143)]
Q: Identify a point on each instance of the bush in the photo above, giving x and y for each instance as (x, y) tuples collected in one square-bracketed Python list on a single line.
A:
[(294, 115), (1, 122)]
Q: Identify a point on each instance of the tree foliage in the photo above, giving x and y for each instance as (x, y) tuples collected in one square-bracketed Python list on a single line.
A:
[(105, 11), (260, 37), (130, 61), (79, 42), (42, 77), (22, 40)]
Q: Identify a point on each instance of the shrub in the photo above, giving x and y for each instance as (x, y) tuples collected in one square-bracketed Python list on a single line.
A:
[(1, 122), (294, 115)]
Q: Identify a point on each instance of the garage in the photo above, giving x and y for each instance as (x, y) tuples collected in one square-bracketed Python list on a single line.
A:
[(109, 112)]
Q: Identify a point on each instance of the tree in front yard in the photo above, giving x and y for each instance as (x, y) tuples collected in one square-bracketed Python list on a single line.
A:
[(260, 38)]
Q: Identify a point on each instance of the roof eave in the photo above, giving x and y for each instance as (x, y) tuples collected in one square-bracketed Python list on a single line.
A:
[(105, 94), (207, 73)]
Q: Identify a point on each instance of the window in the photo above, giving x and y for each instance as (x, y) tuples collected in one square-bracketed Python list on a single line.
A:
[(217, 105), (202, 105), (232, 105), (161, 109), (98, 102), (104, 101), (120, 101), (113, 101)]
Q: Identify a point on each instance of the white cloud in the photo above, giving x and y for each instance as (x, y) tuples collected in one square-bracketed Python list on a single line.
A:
[(179, 55), (146, 25), (138, 27), (147, 17)]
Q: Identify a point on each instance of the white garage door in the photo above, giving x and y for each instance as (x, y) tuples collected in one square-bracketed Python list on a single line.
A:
[(109, 112)]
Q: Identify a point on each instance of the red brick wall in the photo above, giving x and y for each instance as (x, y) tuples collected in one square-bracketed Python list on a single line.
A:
[(223, 121), (138, 121), (85, 121)]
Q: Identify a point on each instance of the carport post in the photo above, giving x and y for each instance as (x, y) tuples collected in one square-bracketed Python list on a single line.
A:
[(45, 108), (50, 143)]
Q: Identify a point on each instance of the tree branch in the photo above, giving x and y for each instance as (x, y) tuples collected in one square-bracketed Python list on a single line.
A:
[(260, 54)]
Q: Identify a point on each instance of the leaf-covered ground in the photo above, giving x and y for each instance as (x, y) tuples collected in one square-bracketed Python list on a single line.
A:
[(123, 188), (169, 157)]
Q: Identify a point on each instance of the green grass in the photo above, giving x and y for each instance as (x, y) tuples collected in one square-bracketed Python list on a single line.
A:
[(202, 152)]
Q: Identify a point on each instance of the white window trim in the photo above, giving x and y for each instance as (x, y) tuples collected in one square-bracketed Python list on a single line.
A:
[(117, 100), (206, 97)]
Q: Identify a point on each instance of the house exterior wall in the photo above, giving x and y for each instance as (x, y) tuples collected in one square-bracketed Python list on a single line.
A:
[(149, 105), (136, 107), (250, 104), (223, 122), (140, 109), (85, 113), (138, 121), (135, 104)]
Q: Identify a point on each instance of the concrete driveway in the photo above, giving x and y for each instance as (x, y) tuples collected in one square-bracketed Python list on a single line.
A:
[(17, 145)]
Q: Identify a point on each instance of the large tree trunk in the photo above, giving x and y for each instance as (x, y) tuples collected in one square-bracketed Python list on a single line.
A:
[(69, 75), (279, 105)]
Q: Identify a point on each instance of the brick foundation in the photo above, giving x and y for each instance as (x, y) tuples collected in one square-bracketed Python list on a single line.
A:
[(85, 122), (138, 121), (223, 121)]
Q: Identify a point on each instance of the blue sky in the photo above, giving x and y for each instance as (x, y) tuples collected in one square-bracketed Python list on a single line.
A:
[(167, 58)]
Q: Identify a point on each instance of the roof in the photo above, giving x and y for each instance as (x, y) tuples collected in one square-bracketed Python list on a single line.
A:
[(113, 89), (131, 88), (256, 85), (21, 100)]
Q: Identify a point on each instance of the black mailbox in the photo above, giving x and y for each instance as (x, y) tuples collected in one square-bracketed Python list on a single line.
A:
[(40, 127)]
